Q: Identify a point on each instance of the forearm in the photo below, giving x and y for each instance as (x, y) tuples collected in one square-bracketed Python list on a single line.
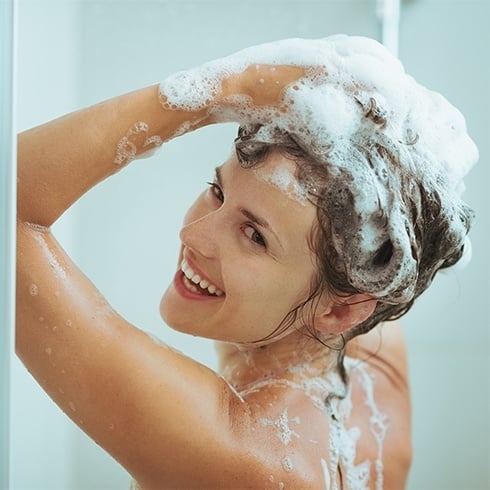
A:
[(60, 160)]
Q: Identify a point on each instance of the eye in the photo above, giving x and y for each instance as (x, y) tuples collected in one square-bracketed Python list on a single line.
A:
[(253, 235), (216, 190)]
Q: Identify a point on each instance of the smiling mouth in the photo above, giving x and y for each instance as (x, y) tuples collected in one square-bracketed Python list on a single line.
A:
[(193, 282)]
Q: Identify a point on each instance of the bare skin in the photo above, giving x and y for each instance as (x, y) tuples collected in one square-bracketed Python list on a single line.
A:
[(143, 410)]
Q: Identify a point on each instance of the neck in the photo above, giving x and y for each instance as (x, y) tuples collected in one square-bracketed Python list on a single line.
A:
[(295, 355)]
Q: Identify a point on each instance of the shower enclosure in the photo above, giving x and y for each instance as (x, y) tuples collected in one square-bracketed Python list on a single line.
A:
[(73, 54)]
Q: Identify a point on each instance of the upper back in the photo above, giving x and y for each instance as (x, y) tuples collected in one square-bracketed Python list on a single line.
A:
[(357, 438)]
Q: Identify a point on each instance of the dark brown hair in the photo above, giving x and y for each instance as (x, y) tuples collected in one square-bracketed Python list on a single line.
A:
[(434, 244)]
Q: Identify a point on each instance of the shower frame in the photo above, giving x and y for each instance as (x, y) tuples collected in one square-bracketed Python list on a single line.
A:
[(8, 178)]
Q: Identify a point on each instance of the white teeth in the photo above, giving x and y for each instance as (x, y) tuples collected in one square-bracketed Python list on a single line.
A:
[(196, 279), (188, 272), (190, 286)]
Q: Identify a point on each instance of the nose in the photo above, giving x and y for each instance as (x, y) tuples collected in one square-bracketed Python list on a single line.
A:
[(202, 235)]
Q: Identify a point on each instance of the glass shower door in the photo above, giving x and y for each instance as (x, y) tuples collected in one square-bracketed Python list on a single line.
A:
[(7, 227)]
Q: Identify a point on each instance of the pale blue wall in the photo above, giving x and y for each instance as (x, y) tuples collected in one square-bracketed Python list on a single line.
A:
[(78, 53), (446, 45)]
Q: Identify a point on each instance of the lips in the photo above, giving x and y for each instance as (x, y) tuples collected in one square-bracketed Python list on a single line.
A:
[(194, 285), (197, 284)]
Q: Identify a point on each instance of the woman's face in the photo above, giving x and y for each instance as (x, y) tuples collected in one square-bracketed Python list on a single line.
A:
[(246, 237)]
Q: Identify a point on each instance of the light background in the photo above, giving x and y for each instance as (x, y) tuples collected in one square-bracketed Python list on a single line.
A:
[(124, 232)]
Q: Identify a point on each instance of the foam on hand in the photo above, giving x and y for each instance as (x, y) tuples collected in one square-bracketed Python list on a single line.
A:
[(379, 134)]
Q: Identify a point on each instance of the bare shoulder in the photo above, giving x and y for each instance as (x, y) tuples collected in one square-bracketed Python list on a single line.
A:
[(384, 349), (295, 439), (284, 438), (380, 396)]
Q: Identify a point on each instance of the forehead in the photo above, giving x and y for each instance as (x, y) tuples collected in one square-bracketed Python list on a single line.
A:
[(281, 173)]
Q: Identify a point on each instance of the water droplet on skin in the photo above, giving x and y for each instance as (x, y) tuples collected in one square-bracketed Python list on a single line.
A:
[(111, 426), (33, 290), (57, 293), (287, 464), (72, 406), (41, 319), (68, 323), (281, 485), (48, 351)]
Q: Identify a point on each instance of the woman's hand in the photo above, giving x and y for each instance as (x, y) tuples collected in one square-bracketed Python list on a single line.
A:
[(265, 85), (243, 87), (212, 95)]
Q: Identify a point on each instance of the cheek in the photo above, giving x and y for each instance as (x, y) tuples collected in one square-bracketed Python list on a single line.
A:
[(265, 289)]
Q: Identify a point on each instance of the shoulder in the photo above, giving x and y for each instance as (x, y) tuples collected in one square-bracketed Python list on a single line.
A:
[(380, 401), (284, 438), (384, 350), (291, 439)]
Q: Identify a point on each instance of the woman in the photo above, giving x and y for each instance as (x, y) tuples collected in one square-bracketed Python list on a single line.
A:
[(331, 216)]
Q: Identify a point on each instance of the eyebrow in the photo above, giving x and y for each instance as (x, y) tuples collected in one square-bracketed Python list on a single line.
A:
[(249, 215)]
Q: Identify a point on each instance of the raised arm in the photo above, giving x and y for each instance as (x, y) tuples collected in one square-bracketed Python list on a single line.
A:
[(148, 406), (110, 378), (61, 160)]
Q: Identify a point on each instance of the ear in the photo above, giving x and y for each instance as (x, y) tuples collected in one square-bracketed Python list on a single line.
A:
[(336, 317)]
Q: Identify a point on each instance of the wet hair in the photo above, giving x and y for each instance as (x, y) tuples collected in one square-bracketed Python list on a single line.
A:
[(435, 241)]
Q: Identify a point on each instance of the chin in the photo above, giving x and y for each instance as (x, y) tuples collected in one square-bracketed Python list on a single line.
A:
[(169, 315), (172, 316)]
